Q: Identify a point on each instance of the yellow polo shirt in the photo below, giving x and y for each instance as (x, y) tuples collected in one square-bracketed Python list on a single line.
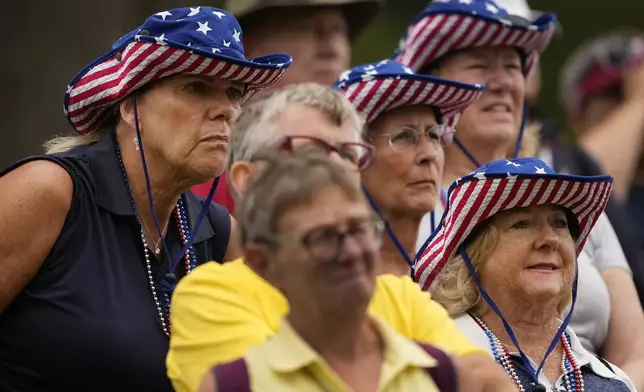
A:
[(220, 311), (286, 363)]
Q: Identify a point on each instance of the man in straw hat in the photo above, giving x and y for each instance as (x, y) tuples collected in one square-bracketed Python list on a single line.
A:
[(317, 33)]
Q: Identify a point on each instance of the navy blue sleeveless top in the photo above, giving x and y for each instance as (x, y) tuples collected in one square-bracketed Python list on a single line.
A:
[(87, 321)]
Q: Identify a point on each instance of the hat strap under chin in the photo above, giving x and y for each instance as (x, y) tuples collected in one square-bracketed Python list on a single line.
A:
[(526, 362), (517, 147), (202, 214), (390, 231)]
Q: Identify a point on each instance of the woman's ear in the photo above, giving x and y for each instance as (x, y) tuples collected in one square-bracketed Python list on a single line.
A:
[(126, 109)]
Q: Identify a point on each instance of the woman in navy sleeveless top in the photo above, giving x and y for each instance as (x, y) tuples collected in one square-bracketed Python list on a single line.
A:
[(95, 235)]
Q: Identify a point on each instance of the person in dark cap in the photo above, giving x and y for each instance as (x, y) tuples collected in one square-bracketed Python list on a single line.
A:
[(317, 33)]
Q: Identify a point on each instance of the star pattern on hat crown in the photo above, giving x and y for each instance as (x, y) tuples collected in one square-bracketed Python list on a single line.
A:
[(195, 40), (477, 7), (202, 28), (512, 167)]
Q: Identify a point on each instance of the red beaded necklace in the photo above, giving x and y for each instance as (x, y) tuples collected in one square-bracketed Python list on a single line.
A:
[(571, 371)]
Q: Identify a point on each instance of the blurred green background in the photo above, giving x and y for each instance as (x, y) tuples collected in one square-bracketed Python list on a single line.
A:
[(46, 43)]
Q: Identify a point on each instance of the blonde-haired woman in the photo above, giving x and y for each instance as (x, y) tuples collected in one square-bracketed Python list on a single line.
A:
[(504, 264)]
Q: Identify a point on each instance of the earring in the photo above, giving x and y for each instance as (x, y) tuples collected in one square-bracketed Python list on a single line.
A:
[(136, 142)]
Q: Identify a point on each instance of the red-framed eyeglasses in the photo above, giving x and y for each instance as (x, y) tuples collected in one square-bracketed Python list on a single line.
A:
[(359, 155)]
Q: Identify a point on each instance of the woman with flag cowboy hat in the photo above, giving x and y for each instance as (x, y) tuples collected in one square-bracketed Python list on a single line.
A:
[(504, 262), (477, 41), (410, 119), (94, 237)]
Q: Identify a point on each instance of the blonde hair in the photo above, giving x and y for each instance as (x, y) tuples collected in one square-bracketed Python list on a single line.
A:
[(454, 287), (254, 129), (62, 143), (530, 142)]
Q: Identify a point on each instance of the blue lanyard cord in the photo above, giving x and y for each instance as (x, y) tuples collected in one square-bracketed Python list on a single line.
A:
[(526, 362), (432, 215), (517, 148), (466, 152), (171, 264), (390, 232)]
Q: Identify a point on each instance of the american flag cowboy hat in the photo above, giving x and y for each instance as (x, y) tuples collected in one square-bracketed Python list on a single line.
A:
[(448, 25), (378, 87), (503, 185), (194, 40)]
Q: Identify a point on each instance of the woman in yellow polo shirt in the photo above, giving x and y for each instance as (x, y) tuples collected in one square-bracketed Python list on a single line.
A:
[(307, 228)]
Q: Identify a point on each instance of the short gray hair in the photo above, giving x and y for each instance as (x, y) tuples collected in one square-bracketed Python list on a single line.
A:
[(254, 129), (289, 180)]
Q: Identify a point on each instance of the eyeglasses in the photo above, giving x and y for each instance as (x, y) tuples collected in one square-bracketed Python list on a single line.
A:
[(358, 154), (407, 137), (326, 242)]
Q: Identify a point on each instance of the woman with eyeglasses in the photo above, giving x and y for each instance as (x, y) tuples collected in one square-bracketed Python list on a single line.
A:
[(410, 119)]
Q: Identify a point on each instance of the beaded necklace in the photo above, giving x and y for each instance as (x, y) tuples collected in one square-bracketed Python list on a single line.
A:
[(170, 278), (571, 371)]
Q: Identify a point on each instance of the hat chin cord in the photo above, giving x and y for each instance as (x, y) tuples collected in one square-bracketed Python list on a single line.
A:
[(390, 231), (526, 362), (204, 210), (517, 147)]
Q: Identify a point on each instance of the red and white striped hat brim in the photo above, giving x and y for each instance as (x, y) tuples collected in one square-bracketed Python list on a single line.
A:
[(437, 34), (379, 87), (114, 78), (477, 197)]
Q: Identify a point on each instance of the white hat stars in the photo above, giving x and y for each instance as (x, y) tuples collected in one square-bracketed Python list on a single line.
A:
[(369, 67), (509, 162), (236, 35), (368, 76), (164, 14), (540, 170), (492, 8), (480, 175), (465, 1), (160, 39), (203, 28), (199, 40), (345, 75), (194, 11)]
